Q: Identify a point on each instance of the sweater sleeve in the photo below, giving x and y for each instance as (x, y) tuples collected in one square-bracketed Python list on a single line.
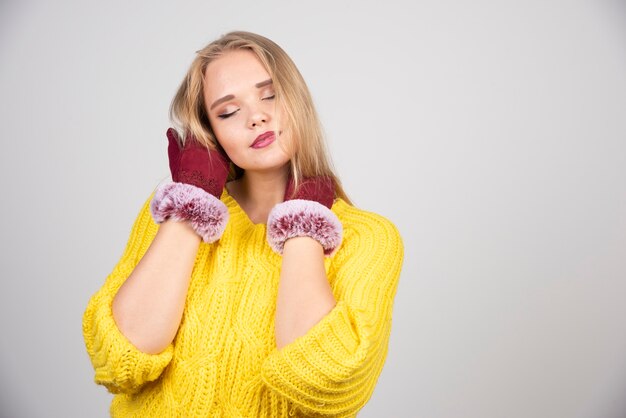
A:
[(331, 371), (118, 364)]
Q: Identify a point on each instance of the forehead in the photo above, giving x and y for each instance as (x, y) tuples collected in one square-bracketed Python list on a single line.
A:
[(232, 71)]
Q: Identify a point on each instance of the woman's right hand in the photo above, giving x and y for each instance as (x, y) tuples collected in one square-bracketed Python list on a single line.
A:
[(199, 175), (196, 165)]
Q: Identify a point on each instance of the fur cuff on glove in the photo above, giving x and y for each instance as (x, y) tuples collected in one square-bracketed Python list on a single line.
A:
[(184, 202), (297, 218)]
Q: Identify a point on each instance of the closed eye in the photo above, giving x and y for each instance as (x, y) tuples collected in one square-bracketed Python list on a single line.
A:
[(227, 115)]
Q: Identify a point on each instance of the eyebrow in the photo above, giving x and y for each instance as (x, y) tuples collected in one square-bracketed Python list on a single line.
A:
[(230, 96)]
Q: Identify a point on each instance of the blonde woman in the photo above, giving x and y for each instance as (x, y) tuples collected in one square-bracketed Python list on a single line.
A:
[(250, 285)]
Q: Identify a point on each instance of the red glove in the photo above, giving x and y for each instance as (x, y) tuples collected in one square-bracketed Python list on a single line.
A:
[(199, 175), (207, 169), (319, 189), (306, 213)]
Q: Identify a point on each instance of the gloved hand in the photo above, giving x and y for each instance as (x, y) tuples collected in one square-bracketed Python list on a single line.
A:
[(306, 212), (319, 189), (199, 175), (196, 165)]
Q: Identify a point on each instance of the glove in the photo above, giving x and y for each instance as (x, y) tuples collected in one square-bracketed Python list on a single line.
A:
[(319, 189), (306, 212), (195, 165), (199, 175)]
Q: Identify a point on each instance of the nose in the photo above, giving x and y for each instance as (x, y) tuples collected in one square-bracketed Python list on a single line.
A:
[(258, 118)]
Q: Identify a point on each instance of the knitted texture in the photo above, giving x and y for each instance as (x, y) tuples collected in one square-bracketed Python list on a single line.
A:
[(224, 361), (298, 217), (206, 214)]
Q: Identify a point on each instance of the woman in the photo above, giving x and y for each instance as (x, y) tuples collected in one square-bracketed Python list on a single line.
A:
[(250, 285)]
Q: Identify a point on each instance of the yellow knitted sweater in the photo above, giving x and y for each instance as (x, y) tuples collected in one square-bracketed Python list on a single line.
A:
[(223, 361)]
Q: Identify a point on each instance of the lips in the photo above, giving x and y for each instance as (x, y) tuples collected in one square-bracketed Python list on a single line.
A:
[(263, 140)]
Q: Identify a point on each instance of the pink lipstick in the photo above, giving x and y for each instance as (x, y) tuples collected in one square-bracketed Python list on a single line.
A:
[(263, 140)]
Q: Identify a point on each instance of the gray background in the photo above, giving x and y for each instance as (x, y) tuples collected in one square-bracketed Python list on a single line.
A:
[(492, 133)]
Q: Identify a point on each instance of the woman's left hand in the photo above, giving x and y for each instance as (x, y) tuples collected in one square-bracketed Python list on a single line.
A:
[(319, 189), (306, 212)]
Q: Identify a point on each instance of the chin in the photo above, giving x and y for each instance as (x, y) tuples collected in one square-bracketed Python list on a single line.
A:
[(266, 167), (265, 164)]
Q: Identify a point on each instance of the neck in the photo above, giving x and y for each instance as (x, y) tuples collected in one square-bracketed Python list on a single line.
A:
[(257, 192)]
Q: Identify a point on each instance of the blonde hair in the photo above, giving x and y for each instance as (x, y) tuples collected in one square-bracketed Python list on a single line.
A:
[(310, 156)]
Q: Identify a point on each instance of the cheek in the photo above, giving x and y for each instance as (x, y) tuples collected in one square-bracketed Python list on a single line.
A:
[(225, 137), (231, 145)]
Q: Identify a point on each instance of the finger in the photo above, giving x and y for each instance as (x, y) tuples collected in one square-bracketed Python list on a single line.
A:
[(173, 152)]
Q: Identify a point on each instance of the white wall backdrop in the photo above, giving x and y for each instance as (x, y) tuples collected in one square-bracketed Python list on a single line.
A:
[(492, 133)]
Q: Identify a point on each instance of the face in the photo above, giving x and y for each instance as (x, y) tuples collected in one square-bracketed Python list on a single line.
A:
[(240, 102)]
